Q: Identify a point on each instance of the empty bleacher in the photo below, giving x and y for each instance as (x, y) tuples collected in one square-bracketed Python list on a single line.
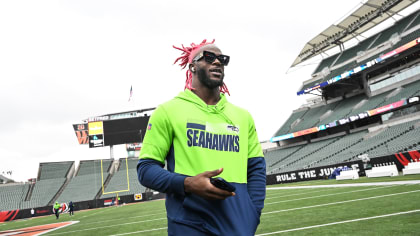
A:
[(345, 108), (286, 126), (311, 117), (53, 170), (87, 182), (353, 51), (12, 196), (119, 180), (43, 192), (348, 59), (327, 62), (385, 141), (298, 159), (272, 158)]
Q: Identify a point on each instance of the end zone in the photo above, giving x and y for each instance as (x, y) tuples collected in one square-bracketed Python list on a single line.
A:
[(39, 229)]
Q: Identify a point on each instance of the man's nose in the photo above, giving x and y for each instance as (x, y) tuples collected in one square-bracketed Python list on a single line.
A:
[(217, 62)]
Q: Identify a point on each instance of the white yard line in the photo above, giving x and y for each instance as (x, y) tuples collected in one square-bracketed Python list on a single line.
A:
[(72, 222), (349, 185), (142, 231), (340, 222), (279, 195), (113, 220), (326, 195), (334, 203), (108, 226)]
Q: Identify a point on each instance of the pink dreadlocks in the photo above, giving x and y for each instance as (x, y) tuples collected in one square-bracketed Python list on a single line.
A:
[(187, 57)]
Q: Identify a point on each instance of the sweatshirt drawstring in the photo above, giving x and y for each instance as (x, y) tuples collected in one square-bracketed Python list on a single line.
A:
[(219, 112)]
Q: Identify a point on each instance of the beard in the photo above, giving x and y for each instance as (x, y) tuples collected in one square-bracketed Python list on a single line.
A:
[(204, 78)]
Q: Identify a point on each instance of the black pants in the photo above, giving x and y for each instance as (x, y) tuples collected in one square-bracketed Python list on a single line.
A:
[(71, 211), (57, 214)]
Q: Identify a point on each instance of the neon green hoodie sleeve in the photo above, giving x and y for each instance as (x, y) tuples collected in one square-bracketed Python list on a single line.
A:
[(158, 138), (254, 147)]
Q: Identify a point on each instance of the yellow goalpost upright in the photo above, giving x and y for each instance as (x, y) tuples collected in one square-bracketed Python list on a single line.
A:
[(118, 191)]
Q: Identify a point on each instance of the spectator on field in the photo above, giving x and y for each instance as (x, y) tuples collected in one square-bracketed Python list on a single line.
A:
[(32, 212)]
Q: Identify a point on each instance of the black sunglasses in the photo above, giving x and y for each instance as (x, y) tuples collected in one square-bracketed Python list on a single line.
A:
[(211, 57)]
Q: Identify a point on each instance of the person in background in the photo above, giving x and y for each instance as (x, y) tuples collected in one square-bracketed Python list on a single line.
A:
[(57, 210), (32, 212), (71, 208), (200, 135)]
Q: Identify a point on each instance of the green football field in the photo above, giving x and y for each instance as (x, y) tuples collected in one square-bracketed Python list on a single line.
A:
[(356, 210)]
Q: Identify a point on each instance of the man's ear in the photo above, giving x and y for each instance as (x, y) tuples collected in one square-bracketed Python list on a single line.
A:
[(192, 68)]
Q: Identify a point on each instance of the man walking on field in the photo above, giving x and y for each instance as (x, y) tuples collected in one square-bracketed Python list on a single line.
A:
[(200, 135)]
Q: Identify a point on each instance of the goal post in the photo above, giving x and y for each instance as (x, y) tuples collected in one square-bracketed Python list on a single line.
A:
[(117, 191)]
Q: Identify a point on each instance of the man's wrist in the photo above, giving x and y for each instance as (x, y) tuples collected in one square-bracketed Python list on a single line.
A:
[(187, 182)]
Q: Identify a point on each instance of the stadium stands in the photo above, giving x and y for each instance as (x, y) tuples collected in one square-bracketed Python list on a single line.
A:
[(87, 182), (350, 58), (349, 106), (385, 141), (12, 196), (119, 180), (43, 192), (326, 63), (293, 117), (52, 170), (57, 183)]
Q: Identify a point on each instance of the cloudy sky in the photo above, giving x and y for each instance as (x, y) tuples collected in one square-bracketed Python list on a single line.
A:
[(64, 61)]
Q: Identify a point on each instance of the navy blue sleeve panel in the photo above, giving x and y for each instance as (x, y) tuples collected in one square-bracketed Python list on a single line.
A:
[(257, 181), (152, 175)]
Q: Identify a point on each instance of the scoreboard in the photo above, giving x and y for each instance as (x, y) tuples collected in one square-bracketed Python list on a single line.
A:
[(113, 129)]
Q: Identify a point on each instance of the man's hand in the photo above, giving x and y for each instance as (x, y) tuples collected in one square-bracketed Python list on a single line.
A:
[(201, 186)]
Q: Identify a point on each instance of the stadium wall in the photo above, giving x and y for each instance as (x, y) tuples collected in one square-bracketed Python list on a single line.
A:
[(399, 159), (315, 173), (91, 204)]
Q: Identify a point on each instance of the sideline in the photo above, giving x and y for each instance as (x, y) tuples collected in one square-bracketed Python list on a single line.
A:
[(326, 195), (113, 220), (148, 230), (340, 222), (350, 185), (107, 226), (334, 203), (280, 195)]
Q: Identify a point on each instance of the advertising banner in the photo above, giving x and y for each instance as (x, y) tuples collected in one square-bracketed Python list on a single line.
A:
[(82, 133), (96, 128), (400, 159), (387, 107), (138, 197), (133, 147), (311, 173), (306, 131), (96, 141), (108, 202)]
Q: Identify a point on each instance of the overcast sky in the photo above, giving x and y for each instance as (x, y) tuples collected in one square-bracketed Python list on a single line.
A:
[(64, 61)]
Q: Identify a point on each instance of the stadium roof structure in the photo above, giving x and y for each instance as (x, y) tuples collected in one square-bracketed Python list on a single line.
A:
[(367, 16)]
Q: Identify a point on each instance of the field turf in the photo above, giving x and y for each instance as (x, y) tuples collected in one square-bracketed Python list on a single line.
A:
[(366, 210)]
